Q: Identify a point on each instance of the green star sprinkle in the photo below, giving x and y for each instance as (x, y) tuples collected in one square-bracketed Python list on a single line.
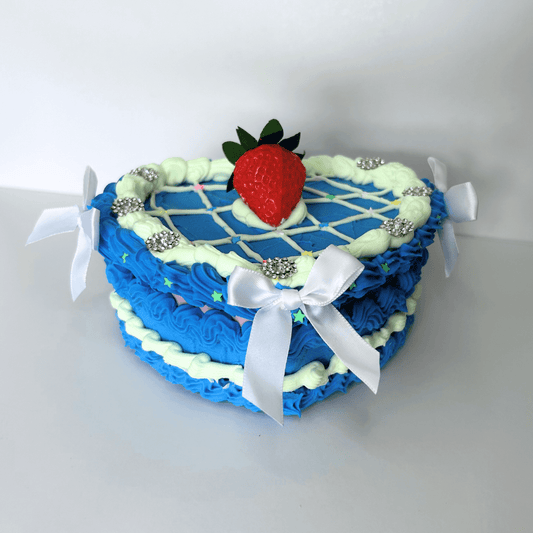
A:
[(385, 267), (299, 316), (168, 283), (353, 286), (217, 296), (330, 196), (124, 255), (438, 217)]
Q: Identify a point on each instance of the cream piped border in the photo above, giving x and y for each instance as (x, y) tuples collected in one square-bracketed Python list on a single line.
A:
[(176, 171), (200, 366)]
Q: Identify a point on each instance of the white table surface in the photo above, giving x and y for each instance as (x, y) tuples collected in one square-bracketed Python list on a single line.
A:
[(94, 440)]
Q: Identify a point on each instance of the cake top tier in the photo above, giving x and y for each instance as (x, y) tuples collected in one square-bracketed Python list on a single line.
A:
[(364, 206)]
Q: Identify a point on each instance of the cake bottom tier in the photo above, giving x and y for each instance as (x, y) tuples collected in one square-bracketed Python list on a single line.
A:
[(225, 381)]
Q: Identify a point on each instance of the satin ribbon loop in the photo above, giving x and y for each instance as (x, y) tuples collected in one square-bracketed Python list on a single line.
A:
[(268, 346), (67, 219), (462, 205)]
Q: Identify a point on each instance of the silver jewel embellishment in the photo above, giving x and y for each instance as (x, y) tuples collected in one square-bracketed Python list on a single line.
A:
[(164, 240), (279, 268), (149, 174), (370, 163), (123, 206), (417, 191), (398, 227)]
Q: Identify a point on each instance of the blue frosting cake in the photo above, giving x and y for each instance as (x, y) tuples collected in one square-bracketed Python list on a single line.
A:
[(171, 237)]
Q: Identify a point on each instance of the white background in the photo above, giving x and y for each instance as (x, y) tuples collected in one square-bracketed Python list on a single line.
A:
[(116, 84), (92, 440)]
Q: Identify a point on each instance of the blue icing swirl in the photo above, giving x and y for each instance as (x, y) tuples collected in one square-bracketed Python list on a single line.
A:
[(140, 280), (293, 402)]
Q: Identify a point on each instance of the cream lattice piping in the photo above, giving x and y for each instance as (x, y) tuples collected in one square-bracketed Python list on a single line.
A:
[(391, 177)]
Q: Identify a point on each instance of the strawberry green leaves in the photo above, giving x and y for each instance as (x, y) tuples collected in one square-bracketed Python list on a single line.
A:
[(248, 142), (233, 151), (230, 186), (272, 133), (291, 143), (273, 127)]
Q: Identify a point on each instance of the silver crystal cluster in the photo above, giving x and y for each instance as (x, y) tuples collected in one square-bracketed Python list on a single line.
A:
[(149, 174), (279, 268), (369, 163), (123, 206), (417, 191), (398, 227), (164, 240)]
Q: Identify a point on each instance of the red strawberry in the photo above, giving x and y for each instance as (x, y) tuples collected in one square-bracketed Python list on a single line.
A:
[(268, 176)]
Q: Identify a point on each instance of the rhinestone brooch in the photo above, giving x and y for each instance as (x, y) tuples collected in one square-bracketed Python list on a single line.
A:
[(417, 191), (149, 174), (123, 206), (279, 268), (369, 163), (164, 240), (398, 227)]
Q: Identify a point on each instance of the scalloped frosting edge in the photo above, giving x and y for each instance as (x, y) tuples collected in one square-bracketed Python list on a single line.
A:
[(200, 366), (176, 171)]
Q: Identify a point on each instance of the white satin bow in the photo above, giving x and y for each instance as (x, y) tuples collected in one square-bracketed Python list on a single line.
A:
[(66, 219), (461, 202), (268, 347)]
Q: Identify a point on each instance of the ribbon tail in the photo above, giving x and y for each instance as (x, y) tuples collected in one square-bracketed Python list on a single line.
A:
[(80, 265), (266, 359), (54, 221), (90, 225), (347, 344), (90, 182), (449, 246)]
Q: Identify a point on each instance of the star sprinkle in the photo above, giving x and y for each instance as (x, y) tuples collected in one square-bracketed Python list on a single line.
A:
[(168, 283), (385, 267), (323, 225), (235, 239), (299, 316), (305, 252), (396, 202), (124, 255), (353, 286), (198, 187), (330, 196), (217, 296)]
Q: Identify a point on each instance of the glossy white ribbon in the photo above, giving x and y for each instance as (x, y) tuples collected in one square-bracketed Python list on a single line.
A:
[(268, 347), (66, 219), (461, 202)]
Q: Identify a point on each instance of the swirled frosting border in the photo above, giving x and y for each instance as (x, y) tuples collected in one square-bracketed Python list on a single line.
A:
[(176, 171)]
